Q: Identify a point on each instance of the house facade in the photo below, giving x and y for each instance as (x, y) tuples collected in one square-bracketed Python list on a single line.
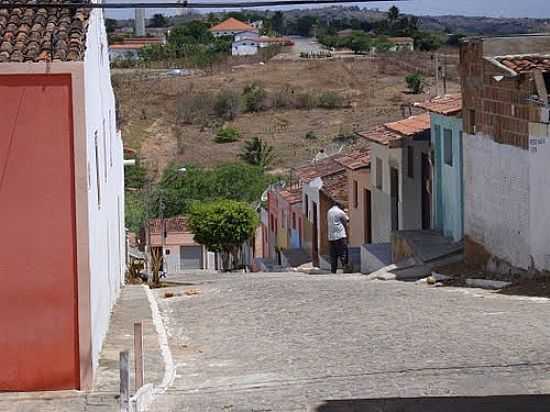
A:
[(447, 162), (61, 195), (400, 177), (505, 85)]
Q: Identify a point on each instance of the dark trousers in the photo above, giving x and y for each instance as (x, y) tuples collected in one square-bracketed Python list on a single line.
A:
[(338, 250)]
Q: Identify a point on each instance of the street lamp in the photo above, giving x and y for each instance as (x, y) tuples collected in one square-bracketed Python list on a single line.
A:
[(179, 172)]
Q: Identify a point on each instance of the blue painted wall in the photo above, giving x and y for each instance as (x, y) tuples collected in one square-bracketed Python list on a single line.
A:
[(448, 195)]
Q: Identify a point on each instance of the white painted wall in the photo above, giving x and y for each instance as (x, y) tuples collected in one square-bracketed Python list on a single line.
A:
[(496, 198), (311, 189), (539, 195), (244, 48), (410, 189), (105, 183)]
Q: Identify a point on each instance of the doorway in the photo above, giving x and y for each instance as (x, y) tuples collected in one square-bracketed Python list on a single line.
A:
[(394, 192), (367, 203), (426, 189), (315, 236)]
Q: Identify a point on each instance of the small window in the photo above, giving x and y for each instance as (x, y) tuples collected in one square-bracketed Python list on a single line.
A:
[(379, 173), (294, 220), (306, 207), (355, 195), (410, 161), (448, 146), (97, 174), (272, 223)]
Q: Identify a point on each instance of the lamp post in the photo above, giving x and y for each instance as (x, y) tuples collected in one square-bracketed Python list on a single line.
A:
[(179, 172)]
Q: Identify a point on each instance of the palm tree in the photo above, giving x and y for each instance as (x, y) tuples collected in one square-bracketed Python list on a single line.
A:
[(257, 152)]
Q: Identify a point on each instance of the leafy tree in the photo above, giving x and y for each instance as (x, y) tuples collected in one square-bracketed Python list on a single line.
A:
[(360, 44), (134, 211), (305, 25), (223, 226), (227, 105), (235, 181), (278, 23), (393, 14), (110, 25), (427, 41), (135, 176), (158, 20), (257, 153), (227, 135), (194, 32), (415, 82), (253, 97)]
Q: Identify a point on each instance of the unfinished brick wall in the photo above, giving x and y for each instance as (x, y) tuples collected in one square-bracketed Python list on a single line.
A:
[(501, 108)]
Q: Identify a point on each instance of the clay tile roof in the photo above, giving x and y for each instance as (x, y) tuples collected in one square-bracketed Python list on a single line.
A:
[(355, 160), (446, 105), (292, 196), (33, 35), (410, 126), (324, 167), (232, 24), (336, 187), (380, 135), (174, 224), (525, 64)]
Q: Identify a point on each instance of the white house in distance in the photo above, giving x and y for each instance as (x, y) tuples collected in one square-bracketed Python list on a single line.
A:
[(231, 27), (61, 197)]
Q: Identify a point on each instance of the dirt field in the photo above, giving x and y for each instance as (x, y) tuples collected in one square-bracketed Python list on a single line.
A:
[(373, 91)]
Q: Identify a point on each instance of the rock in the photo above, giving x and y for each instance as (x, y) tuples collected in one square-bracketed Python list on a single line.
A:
[(487, 284), (438, 277)]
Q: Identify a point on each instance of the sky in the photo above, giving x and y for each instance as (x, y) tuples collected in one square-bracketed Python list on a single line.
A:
[(492, 8)]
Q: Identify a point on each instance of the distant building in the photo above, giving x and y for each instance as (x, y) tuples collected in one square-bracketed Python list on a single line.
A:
[(130, 47), (61, 197), (401, 43), (231, 27), (245, 47)]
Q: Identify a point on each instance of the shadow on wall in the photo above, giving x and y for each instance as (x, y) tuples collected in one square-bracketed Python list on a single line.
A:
[(514, 403)]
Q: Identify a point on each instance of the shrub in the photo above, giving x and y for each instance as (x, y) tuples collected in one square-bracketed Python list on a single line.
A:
[(415, 82), (306, 101), (330, 100), (253, 98), (256, 152), (282, 99), (227, 135), (227, 105), (311, 135), (193, 108)]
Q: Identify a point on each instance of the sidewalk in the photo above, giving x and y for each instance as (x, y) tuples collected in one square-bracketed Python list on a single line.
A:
[(132, 306)]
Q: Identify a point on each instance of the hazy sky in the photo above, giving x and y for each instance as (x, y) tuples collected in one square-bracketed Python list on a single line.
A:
[(494, 8)]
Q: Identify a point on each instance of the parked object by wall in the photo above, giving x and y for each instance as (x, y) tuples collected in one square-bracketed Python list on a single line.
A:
[(58, 115)]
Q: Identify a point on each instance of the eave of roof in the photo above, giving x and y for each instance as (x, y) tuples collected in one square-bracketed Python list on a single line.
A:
[(445, 105)]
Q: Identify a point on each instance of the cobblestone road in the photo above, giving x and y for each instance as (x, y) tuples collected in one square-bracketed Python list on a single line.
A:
[(286, 342)]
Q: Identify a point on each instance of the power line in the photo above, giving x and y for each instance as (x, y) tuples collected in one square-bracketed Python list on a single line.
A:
[(184, 4)]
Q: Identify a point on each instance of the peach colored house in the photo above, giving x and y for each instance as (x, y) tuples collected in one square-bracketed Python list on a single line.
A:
[(61, 197)]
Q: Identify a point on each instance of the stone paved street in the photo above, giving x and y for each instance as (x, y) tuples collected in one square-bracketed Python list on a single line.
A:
[(288, 342)]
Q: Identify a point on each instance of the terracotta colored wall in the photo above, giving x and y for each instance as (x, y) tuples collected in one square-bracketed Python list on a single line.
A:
[(38, 301)]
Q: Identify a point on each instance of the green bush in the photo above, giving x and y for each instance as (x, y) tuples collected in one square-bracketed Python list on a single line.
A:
[(254, 98), (227, 135), (311, 135), (415, 82), (330, 100), (227, 105)]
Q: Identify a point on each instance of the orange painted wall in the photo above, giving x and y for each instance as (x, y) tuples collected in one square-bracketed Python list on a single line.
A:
[(38, 299)]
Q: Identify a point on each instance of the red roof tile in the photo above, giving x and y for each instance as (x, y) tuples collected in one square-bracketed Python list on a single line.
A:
[(324, 167), (355, 160), (410, 126), (34, 34), (232, 24), (292, 196), (525, 64), (446, 105), (380, 135), (336, 187)]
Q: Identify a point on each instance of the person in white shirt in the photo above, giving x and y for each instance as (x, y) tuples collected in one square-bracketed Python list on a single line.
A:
[(337, 236)]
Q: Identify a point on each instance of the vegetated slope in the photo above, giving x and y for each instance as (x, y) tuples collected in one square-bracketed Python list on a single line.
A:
[(369, 91)]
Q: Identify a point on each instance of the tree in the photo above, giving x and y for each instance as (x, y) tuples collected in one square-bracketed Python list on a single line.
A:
[(415, 82), (360, 44), (227, 104), (253, 97), (257, 153), (223, 226), (278, 23), (393, 14), (227, 135), (158, 20), (110, 25), (305, 24), (194, 32), (134, 176), (427, 41)]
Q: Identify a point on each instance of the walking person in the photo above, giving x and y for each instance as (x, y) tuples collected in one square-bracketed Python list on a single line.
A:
[(337, 236)]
